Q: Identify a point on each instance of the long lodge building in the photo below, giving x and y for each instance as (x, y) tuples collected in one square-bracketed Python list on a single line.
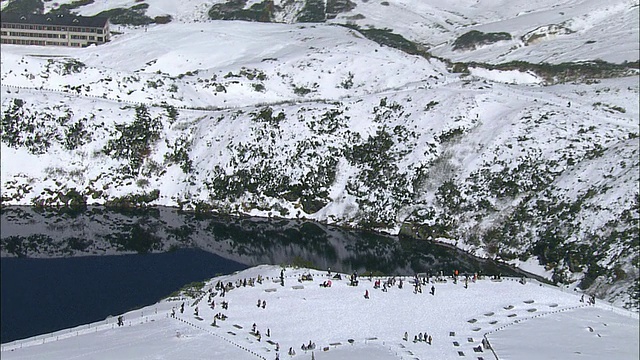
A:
[(53, 30)]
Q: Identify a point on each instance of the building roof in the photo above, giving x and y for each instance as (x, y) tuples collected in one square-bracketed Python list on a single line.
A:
[(51, 19)]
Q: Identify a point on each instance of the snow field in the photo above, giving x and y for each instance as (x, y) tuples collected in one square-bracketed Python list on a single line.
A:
[(345, 325)]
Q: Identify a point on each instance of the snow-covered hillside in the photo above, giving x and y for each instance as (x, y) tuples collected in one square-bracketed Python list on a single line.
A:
[(270, 319), (317, 121), (540, 31)]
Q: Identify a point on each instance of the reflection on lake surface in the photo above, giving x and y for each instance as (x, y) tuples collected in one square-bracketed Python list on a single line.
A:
[(59, 268)]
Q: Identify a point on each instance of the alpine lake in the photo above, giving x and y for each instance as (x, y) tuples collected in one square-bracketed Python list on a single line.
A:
[(63, 268)]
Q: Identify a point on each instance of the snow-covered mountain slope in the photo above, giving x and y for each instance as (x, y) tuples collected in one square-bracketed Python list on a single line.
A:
[(540, 31), (525, 321), (317, 121)]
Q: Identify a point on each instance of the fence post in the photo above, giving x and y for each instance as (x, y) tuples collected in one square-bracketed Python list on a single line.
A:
[(490, 347)]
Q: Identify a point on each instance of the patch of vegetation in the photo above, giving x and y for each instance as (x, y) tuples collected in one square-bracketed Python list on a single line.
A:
[(347, 82), (162, 19), (431, 105), (266, 114), (134, 15), (585, 71), (609, 108), (134, 140), (301, 90), (193, 289), (38, 131), (133, 200), (266, 11), (66, 67), (449, 196), (258, 87), (77, 135), (154, 84), (381, 187), (234, 10), (532, 174), (312, 191), (171, 112), (312, 11), (335, 7), (449, 135), (23, 7), (65, 9), (329, 123), (250, 74), (179, 154), (472, 39), (388, 38)]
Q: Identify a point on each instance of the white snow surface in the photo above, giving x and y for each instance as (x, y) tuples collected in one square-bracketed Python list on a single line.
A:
[(520, 321), (569, 30)]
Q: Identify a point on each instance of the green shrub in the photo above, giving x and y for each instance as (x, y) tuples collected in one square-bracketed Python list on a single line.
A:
[(134, 15), (234, 10), (347, 82), (313, 11), (584, 71), (266, 115), (180, 154), (36, 131), (134, 140), (335, 7), (65, 9), (133, 200), (76, 135), (22, 7), (164, 19), (301, 90), (386, 37), (258, 87), (475, 38)]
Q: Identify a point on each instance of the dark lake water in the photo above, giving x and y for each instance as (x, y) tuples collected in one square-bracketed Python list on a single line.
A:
[(62, 269)]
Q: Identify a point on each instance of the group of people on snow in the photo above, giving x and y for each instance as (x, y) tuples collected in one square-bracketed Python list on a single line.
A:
[(418, 338), (419, 281)]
